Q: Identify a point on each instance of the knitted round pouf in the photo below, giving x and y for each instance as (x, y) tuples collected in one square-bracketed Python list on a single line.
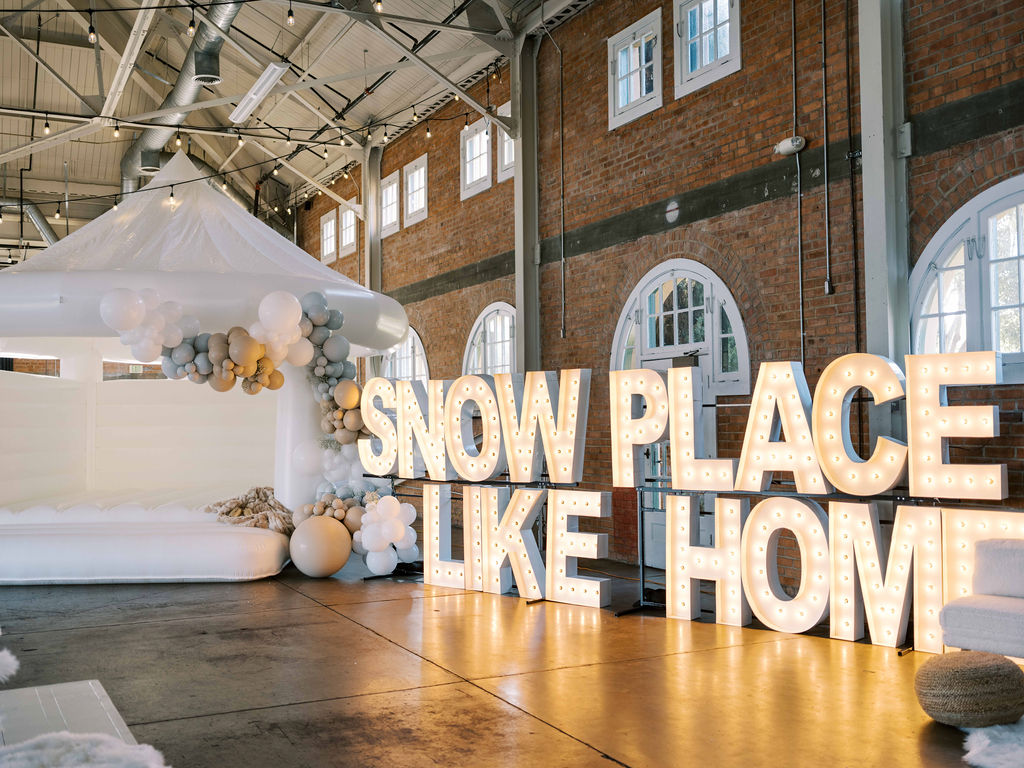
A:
[(971, 689)]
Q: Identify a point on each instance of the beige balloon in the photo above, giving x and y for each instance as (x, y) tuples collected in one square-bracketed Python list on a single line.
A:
[(276, 380), (347, 394), (218, 339), (245, 350), (320, 546), (354, 518), (235, 331), (353, 420), (221, 382), (345, 436)]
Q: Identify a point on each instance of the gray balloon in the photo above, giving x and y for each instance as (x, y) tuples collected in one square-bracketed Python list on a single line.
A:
[(203, 364), (202, 342), (170, 368), (333, 382), (197, 378), (183, 353), (335, 319), (318, 371), (321, 387), (166, 351), (322, 361), (350, 370), (313, 301), (306, 326), (319, 335), (336, 348), (319, 316)]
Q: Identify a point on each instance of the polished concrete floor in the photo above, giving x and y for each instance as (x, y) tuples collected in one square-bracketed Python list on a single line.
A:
[(344, 672)]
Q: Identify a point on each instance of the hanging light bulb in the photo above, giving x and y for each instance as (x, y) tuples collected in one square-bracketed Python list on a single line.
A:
[(291, 16), (92, 30), (385, 139), (288, 141), (325, 153), (378, 6), (224, 186), (275, 170), (115, 202), (171, 198), (1, 215), (465, 126), (57, 214), (275, 209), (344, 174), (46, 126), (456, 97), (415, 117), (305, 195), (117, 130), (288, 210), (428, 130), (342, 141), (241, 141), (177, 139), (192, 24)]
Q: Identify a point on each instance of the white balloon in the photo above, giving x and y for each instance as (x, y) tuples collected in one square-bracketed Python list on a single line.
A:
[(172, 336), (279, 311), (408, 540), (306, 457), (407, 514), (300, 353), (357, 543), (410, 555), (189, 326), (295, 335), (146, 351), (373, 538), (122, 309), (351, 452), (394, 530), (277, 354), (258, 332), (171, 310), (388, 506), (134, 336), (150, 297), (382, 563), (155, 320)]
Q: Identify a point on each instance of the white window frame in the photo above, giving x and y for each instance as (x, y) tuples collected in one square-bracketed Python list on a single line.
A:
[(618, 116), (505, 170), (389, 182), (411, 349), (632, 326), (479, 326), (968, 227), (345, 216), (329, 255), (411, 216), (478, 186), (721, 67)]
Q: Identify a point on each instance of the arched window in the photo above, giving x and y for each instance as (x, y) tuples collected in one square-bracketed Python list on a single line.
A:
[(492, 342), (683, 309), (966, 289), (406, 360)]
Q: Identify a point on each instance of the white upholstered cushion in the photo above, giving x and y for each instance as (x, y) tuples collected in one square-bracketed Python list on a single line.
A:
[(991, 623), (999, 568)]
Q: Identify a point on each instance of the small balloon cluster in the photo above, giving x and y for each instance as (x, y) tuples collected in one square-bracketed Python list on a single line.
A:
[(144, 323), (386, 535)]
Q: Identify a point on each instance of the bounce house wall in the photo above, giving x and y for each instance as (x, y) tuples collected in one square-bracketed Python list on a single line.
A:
[(166, 434), (43, 450)]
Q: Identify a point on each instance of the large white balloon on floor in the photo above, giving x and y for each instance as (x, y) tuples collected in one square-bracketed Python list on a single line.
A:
[(320, 546)]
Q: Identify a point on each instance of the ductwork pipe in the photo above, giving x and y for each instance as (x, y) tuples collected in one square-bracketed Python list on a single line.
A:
[(205, 50), (35, 216)]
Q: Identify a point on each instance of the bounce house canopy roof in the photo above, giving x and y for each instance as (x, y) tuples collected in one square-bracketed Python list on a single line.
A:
[(199, 248)]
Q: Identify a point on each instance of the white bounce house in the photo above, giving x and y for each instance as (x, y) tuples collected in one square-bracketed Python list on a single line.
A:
[(105, 481)]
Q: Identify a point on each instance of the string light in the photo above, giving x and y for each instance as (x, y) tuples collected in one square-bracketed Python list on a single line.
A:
[(275, 170), (192, 23), (465, 126), (115, 202), (415, 117), (224, 185), (57, 214), (177, 139), (288, 141), (291, 16), (171, 198), (241, 141), (379, 6), (325, 153), (428, 129), (46, 125), (385, 139), (456, 97), (117, 131), (342, 141), (288, 210), (344, 174), (92, 30)]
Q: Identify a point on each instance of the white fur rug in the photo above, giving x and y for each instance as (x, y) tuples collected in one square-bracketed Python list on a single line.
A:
[(998, 746), (78, 750)]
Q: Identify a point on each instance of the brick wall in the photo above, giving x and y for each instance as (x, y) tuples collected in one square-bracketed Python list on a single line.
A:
[(724, 129), (37, 366)]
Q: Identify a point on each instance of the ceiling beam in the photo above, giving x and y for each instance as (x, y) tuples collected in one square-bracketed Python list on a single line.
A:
[(357, 209), (125, 67), (42, 62), (487, 35), (55, 140)]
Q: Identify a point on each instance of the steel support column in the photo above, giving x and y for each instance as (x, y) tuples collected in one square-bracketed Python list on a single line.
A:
[(884, 184), (523, 68), (371, 213)]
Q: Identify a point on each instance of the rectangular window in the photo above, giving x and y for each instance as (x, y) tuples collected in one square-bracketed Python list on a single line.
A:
[(415, 175), (707, 42), (389, 205), (475, 158), (506, 147), (328, 237), (348, 229), (634, 71)]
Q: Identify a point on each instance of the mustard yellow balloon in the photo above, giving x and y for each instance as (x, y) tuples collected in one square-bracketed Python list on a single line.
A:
[(276, 380), (347, 394)]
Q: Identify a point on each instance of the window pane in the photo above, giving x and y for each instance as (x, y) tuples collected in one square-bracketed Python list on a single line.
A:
[(692, 26), (653, 332), (698, 325), (623, 61), (667, 292), (683, 328), (649, 49), (698, 293), (1008, 330), (931, 300), (623, 92), (683, 293), (952, 290), (1005, 283), (928, 336), (694, 57), (709, 48), (652, 302), (956, 259), (1002, 233), (668, 326), (723, 40), (648, 80), (707, 12), (723, 10), (954, 333), (724, 318), (730, 359)]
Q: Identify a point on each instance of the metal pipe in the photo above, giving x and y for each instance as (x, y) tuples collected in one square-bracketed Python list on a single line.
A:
[(206, 47), (829, 288), (35, 216), (561, 166), (799, 197)]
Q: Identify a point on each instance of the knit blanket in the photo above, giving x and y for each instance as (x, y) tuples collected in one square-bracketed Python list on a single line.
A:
[(256, 508)]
